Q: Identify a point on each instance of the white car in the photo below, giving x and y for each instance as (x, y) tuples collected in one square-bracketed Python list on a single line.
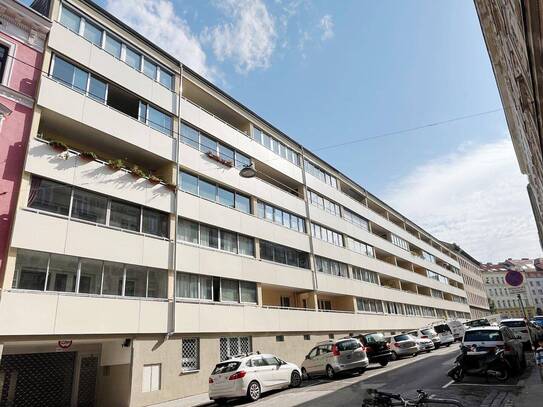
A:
[(424, 344), (519, 326), (250, 375), (457, 328), (445, 334)]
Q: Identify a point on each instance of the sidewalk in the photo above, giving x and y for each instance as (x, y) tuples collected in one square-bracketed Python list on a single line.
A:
[(531, 394)]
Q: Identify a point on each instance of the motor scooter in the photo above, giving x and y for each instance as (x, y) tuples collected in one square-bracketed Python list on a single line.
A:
[(491, 363)]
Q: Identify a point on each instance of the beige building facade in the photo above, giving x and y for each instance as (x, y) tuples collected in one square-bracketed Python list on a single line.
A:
[(140, 257)]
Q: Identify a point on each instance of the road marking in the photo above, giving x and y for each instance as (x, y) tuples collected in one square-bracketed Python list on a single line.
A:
[(485, 385), (448, 384)]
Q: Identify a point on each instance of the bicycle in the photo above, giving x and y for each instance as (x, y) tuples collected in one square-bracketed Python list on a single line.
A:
[(383, 399)]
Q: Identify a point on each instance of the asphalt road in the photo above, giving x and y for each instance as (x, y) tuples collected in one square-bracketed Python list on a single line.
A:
[(405, 376)]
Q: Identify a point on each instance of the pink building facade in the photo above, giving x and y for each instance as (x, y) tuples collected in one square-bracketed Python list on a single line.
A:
[(22, 38)]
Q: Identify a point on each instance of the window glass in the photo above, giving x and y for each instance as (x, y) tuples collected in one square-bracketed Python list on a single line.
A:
[(286, 219), (149, 68), (207, 144), (187, 285), (229, 241), (63, 71), (80, 79), (189, 183), (142, 114), (242, 160), (266, 251), (124, 216), (136, 281), (157, 284), (243, 203), (70, 20), (113, 46), (133, 58), (278, 215), (246, 245), (159, 121), (226, 153), (229, 290), (248, 291), (206, 288), (188, 231), (92, 33), (97, 89), (90, 279), (209, 236), (166, 78), (49, 196), (226, 197), (30, 270), (269, 212), (62, 273), (207, 190), (280, 254), (89, 206), (113, 279), (155, 223), (260, 209), (190, 136)]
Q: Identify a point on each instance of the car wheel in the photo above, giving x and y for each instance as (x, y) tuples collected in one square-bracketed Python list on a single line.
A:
[(383, 363), (330, 372), (305, 375), (220, 402), (361, 371), (447, 345), (502, 375), (295, 379), (415, 354), (393, 356), (253, 391)]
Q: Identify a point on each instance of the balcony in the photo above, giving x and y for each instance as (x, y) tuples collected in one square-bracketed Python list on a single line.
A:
[(95, 176), (96, 59), (84, 118), (59, 234)]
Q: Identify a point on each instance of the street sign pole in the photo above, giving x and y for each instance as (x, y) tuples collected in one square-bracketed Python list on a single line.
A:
[(522, 306)]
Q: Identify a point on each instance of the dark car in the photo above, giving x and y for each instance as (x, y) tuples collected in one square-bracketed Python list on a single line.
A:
[(377, 348)]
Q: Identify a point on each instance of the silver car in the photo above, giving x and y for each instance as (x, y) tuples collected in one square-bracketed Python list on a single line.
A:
[(335, 356), (402, 345)]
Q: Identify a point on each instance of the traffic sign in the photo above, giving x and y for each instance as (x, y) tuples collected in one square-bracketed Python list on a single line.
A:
[(514, 278), (516, 290)]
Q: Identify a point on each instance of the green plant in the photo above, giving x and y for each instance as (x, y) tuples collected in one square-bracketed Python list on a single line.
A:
[(154, 179), (137, 171), (58, 145), (89, 155), (116, 164)]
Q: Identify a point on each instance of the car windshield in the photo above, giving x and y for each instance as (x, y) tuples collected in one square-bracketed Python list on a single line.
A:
[(428, 332), (226, 367), (440, 329), (514, 324), (538, 322), (374, 338), (477, 322), (483, 335), (399, 338), (348, 345)]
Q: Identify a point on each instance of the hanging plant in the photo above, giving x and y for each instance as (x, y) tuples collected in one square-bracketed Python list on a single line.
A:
[(137, 171), (58, 145), (154, 179), (171, 187), (116, 165), (88, 155), (218, 158)]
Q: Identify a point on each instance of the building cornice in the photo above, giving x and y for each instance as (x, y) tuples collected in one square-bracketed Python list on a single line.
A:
[(23, 24), (18, 97)]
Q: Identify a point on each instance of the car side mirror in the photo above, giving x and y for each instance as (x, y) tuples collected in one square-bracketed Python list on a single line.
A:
[(307, 356)]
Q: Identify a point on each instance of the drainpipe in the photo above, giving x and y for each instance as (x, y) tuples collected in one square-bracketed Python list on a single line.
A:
[(172, 315)]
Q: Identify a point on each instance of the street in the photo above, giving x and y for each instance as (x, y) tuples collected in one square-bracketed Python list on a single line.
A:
[(405, 376)]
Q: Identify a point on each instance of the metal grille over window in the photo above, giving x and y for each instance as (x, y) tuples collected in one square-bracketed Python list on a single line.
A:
[(233, 346), (190, 354)]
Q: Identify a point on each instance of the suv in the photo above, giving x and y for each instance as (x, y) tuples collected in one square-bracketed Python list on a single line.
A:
[(377, 348), (427, 333), (521, 328), (482, 339), (251, 375), (445, 334), (335, 356)]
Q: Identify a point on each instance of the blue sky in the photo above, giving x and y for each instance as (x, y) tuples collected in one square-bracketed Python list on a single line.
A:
[(327, 72)]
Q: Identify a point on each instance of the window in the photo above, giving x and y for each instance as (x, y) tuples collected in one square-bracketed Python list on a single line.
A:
[(428, 257), (124, 216), (282, 254), (151, 378), (113, 46), (398, 241), (360, 247), (155, 223), (30, 270), (229, 241), (248, 292), (149, 68), (280, 338), (320, 174), (49, 196), (89, 206), (393, 308), (97, 89), (157, 283), (285, 302), (246, 245), (226, 197), (133, 58), (437, 277), (427, 311), (329, 266), (281, 217), (232, 346), (187, 285), (190, 354), (229, 290), (90, 278), (369, 305), (324, 203), (92, 33), (328, 235), (4, 53), (62, 273), (70, 74), (365, 275), (159, 121), (207, 190), (243, 203), (189, 183), (355, 219), (307, 337), (276, 146), (70, 20), (166, 78), (188, 231)]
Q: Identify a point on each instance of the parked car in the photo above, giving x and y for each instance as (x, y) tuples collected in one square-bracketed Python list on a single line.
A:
[(402, 345), (424, 344), (482, 339), (445, 334), (477, 322), (335, 356), (250, 375), (377, 348), (427, 333), (457, 328), (522, 328)]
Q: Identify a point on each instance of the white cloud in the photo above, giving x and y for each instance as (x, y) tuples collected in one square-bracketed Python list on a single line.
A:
[(475, 197), (157, 21), (327, 26), (249, 38)]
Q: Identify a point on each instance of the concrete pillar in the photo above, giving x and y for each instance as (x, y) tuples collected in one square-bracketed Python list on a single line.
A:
[(259, 294), (355, 305)]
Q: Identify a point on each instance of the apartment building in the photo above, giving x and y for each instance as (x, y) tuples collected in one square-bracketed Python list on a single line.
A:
[(501, 300), (470, 269), (162, 226)]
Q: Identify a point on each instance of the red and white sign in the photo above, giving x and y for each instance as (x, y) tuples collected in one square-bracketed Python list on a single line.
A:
[(63, 345)]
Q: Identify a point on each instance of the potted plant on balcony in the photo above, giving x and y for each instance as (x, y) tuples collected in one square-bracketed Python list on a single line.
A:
[(88, 155), (153, 179), (219, 159), (116, 165), (58, 145), (137, 171), (171, 187)]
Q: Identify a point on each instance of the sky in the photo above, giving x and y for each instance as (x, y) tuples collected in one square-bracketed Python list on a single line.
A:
[(331, 72)]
